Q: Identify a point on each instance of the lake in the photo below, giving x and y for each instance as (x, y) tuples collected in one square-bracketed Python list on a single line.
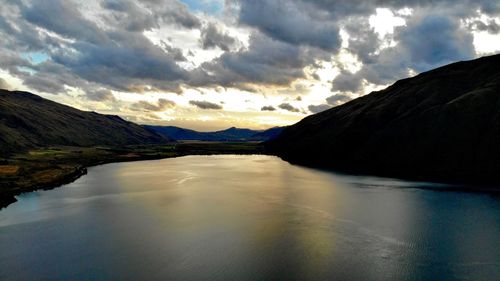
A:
[(247, 218)]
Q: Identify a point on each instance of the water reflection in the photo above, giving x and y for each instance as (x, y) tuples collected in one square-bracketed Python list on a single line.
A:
[(246, 218)]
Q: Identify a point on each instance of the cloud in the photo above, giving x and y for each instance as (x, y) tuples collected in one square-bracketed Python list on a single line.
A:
[(103, 46), (135, 61), (294, 22), (172, 52), (205, 104), (180, 15), (160, 105), (109, 48), (363, 40), (318, 108), (63, 17), (428, 40), (288, 107), (116, 57), (51, 78), (316, 23), (100, 95), (268, 108), (4, 85), (346, 82), (44, 83), (435, 39), (150, 14), (212, 36), (491, 26), (266, 61), (338, 99)]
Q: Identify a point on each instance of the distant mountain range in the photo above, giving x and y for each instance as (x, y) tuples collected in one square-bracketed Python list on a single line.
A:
[(27, 120), (231, 134), (441, 124)]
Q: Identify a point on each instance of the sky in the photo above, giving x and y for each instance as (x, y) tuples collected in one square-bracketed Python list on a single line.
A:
[(213, 64)]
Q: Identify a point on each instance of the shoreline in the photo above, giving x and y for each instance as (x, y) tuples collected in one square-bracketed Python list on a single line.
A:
[(454, 183), (73, 168), (53, 170)]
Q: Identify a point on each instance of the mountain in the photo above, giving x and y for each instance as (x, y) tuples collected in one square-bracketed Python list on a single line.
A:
[(443, 124), (27, 120), (231, 134), (268, 134), (176, 133)]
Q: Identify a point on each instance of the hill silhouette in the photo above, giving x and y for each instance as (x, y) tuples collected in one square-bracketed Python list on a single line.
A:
[(28, 120), (442, 124), (230, 134)]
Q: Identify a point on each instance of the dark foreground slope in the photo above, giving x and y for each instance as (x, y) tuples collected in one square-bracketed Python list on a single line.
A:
[(443, 124), (28, 121)]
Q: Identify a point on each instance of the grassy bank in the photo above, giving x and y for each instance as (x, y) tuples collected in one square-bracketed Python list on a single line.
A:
[(46, 168)]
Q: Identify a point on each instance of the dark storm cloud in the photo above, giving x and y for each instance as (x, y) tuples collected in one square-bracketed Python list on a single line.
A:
[(182, 17), (346, 82), (288, 107), (428, 40), (293, 22), (134, 61), (434, 39), (116, 57), (338, 99), (52, 77), (145, 15), (266, 61), (160, 105), (108, 49), (268, 108), (315, 23), (130, 15), (46, 76), (44, 83), (490, 26), (172, 52), (13, 63), (318, 108), (362, 7), (363, 40), (205, 104), (212, 36), (63, 17), (21, 35)]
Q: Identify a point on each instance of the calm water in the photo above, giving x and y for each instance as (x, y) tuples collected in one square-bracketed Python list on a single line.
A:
[(246, 218)]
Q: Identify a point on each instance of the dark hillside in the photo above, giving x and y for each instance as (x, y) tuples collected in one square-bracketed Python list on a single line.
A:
[(441, 124), (27, 121)]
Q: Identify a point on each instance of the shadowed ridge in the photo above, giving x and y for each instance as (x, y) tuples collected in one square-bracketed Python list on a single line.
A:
[(28, 120), (441, 124)]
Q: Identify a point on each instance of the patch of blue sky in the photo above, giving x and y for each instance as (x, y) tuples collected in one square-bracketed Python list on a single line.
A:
[(35, 57), (210, 7)]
